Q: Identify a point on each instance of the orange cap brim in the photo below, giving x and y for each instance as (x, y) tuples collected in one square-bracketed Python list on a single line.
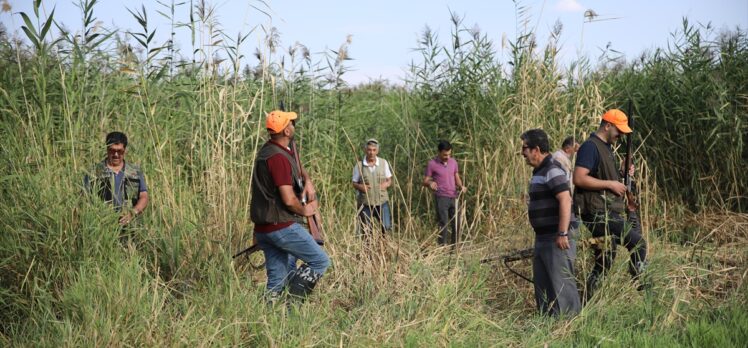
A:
[(624, 128)]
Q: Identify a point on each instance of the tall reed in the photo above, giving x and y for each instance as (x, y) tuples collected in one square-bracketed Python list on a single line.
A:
[(195, 126)]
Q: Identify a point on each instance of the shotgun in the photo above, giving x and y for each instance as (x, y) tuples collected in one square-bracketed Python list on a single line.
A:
[(516, 255), (315, 221), (522, 254), (629, 148), (249, 251)]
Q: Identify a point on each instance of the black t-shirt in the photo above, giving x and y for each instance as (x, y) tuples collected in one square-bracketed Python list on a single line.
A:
[(587, 156)]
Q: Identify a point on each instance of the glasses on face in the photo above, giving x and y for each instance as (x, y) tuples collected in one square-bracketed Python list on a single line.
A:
[(525, 147), (116, 151)]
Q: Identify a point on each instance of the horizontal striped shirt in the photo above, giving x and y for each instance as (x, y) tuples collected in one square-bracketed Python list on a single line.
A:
[(548, 179)]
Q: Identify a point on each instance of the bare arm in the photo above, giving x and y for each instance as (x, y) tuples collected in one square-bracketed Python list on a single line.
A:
[(309, 191), (564, 218), (143, 200), (357, 180), (429, 182), (136, 210), (583, 179), (293, 204), (361, 187), (386, 183), (458, 181)]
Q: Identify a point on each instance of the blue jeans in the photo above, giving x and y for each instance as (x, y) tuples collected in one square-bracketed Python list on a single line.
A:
[(376, 215), (283, 247)]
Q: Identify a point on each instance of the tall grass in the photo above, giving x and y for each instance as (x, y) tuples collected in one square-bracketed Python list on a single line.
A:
[(692, 102), (195, 127)]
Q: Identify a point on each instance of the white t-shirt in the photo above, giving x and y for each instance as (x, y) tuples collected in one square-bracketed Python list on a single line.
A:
[(357, 174)]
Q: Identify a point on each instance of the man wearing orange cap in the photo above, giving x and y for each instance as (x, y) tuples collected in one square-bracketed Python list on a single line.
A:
[(277, 213), (599, 198)]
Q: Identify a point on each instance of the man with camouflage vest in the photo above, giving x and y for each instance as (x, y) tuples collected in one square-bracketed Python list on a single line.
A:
[(117, 182), (371, 178), (599, 198), (278, 213)]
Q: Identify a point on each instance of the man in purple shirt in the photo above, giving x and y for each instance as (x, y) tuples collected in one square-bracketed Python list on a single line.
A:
[(443, 178)]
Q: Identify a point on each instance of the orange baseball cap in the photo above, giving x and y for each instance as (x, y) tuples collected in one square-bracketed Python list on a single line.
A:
[(277, 120), (618, 119)]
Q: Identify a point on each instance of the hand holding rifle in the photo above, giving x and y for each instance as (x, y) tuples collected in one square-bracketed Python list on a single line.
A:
[(309, 193)]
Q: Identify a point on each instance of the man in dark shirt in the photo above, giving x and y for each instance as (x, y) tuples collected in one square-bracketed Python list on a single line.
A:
[(118, 182), (549, 211), (277, 211), (599, 198)]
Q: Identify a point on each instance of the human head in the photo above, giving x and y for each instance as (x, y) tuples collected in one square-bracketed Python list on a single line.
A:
[(371, 148), (614, 123), (445, 150), (281, 123), (535, 146), (116, 147), (569, 145)]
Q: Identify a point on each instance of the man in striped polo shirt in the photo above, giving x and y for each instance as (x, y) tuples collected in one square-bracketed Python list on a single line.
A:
[(549, 211)]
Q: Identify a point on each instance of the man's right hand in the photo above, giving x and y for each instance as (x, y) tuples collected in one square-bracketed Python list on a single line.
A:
[(310, 208), (433, 186), (617, 188)]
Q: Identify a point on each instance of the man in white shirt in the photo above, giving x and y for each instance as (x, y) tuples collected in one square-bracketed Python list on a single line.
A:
[(563, 156), (371, 178)]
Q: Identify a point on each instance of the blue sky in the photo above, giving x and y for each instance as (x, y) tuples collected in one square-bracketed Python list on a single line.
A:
[(384, 32)]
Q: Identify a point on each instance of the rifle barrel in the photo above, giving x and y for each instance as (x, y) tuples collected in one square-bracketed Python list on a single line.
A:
[(249, 251)]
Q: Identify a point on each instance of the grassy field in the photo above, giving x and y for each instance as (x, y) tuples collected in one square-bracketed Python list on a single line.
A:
[(194, 127)]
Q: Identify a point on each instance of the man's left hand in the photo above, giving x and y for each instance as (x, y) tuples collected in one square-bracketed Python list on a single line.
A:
[(309, 191), (126, 218), (463, 189), (562, 242)]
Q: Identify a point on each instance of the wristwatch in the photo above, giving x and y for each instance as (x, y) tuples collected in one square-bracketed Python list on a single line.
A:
[(563, 234)]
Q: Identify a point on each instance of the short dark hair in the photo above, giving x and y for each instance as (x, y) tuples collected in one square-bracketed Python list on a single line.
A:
[(536, 138), (116, 138), (568, 142), (444, 146)]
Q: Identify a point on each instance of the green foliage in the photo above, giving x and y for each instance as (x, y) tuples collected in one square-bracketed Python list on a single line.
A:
[(691, 115), (454, 81), (69, 275)]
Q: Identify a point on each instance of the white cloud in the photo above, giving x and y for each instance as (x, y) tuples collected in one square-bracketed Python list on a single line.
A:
[(569, 6)]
